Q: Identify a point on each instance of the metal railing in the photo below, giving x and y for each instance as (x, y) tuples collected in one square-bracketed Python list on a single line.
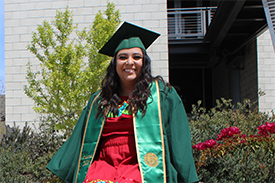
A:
[(189, 23)]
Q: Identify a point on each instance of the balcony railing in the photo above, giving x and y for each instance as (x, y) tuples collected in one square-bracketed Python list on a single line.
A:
[(189, 23)]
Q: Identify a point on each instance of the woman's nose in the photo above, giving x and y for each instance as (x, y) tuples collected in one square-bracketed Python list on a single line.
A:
[(130, 61)]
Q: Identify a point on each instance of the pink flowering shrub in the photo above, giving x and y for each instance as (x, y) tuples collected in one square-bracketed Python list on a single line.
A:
[(266, 129), (204, 145), (228, 133), (233, 143)]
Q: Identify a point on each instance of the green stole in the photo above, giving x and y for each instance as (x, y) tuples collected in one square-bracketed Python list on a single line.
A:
[(148, 136)]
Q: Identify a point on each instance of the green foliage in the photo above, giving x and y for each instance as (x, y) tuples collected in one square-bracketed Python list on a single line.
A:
[(66, 79), (12, 165), (2, 127), (249, 161), (207, 124), (240, 158), (25, 154), (2, 107), (96, 36)]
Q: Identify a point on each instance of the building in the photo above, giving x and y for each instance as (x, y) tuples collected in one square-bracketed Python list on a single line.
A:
[(208, 48)]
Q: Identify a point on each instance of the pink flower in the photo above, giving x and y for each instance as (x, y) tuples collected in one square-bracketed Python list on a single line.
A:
[(265, 129), (205, 145), (228, 132), (270, 127), (210, 143)]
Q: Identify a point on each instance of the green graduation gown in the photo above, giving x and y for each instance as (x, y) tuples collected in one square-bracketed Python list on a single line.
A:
[(162, 137)]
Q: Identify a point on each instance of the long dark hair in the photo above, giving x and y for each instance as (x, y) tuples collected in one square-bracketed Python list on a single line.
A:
[(109, 98)]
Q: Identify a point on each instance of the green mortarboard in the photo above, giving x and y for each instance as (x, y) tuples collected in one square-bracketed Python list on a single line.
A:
[(129, 36)]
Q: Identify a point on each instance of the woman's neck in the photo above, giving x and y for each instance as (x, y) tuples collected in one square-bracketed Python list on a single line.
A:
[(126, 89)]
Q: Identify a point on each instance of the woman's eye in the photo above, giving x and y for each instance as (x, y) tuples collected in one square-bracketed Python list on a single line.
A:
[(122, 57), (137, 57)]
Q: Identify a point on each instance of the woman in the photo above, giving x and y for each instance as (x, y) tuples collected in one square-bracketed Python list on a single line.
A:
[(135, 129)]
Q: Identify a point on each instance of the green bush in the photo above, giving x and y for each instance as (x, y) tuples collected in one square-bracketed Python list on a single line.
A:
[(25, 154), (12, 166), (231, 143)]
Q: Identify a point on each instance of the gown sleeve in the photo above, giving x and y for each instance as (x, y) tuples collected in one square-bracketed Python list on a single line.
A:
[(64, 162), (178, 136)]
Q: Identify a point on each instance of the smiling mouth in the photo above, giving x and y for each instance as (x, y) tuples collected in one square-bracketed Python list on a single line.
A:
[(129, 70)]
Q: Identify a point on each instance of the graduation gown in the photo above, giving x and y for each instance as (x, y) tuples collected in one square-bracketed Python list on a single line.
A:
[(162, 138)]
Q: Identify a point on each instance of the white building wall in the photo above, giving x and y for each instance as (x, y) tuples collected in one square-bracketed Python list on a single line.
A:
[(22, 17), (266, 72)]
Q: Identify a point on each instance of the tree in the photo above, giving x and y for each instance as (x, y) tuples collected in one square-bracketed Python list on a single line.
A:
[(71, 69), (2, 87), (2, 109), (2, 99)]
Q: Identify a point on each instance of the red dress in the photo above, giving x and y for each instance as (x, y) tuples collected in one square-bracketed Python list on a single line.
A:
[(116, 158)]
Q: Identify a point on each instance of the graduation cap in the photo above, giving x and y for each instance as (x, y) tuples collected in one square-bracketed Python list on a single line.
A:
[(129, 36)]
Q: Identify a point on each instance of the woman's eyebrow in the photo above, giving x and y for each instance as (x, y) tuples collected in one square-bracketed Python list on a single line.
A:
[(129, 54), (137, 53), (122, 54)]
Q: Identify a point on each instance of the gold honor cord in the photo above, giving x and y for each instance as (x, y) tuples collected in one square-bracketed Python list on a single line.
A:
[(80, 154), (137, 149), (149, 140), (161, 131)]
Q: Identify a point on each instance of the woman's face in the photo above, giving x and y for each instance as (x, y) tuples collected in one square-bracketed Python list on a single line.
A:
[(129, 65)]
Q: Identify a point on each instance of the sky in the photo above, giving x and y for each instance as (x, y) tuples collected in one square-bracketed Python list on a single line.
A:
[(2, 40)]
